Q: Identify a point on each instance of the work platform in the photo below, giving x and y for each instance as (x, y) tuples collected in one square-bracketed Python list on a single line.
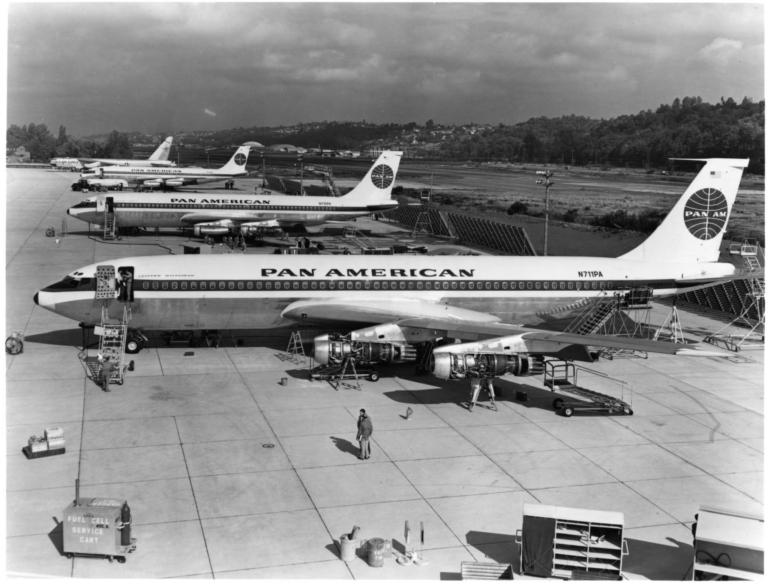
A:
[(247, 478)]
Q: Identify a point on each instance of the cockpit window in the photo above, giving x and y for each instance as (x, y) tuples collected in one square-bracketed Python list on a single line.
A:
[(69, 283), (85, 204)]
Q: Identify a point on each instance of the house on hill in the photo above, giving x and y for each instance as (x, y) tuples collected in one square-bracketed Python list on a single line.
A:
[(17, 155)]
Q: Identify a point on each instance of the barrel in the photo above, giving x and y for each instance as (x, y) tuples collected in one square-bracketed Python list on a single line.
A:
[(376, 551), (284, 381), (348, 548)]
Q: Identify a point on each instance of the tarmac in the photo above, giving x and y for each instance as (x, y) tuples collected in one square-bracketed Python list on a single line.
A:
[(230, 474)]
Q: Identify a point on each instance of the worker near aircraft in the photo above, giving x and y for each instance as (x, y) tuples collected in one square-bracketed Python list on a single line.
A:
[(364, 432), (478, 384), (106, 373)]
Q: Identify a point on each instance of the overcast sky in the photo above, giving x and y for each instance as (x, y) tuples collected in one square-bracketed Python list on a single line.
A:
[(170, 67)]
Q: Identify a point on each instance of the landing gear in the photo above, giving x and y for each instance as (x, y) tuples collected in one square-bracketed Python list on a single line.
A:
[(135, 343)]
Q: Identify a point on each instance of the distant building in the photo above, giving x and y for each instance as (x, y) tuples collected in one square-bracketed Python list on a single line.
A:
[(17, 155)]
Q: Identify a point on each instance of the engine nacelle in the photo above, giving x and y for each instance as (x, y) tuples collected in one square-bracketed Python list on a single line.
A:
[(449, 366), (332, 351), (212, 228), (152, 184), (175, 183), (92, 173)]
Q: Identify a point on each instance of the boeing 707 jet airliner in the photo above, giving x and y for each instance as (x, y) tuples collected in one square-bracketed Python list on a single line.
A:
[(396, 302)]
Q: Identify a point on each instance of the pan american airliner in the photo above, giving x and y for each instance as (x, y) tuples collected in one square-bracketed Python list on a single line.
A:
[(214, 214), (157, 159), (392, 303), (172, 176)]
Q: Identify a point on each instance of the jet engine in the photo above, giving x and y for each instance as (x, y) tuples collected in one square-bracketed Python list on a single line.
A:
[(449, 366), (333, 349), (174, 183), (153, 183), (213, 228)]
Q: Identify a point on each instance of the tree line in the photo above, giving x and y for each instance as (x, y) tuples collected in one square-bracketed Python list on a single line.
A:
[(42, 145)]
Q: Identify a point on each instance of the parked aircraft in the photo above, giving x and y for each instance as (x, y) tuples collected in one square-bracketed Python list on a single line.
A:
[(65, 163), (173, 176), (157, 159), (217, 214), (396, 302)]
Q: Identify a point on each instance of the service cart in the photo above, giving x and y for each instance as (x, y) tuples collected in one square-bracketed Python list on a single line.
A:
[(561, 376), (728, 545), (98, 527)]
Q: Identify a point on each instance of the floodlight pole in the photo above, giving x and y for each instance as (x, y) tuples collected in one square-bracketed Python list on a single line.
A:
[(263, 172), (301, 174), (547, 184)]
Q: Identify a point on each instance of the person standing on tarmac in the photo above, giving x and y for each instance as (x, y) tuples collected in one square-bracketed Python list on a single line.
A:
[(106, 373), (477, 386), (364, 432)]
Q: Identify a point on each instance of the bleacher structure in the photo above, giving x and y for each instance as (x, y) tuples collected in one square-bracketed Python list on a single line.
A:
[(744, 298), (505, 238)]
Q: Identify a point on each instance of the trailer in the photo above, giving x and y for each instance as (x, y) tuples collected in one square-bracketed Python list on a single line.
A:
[(561, 377)]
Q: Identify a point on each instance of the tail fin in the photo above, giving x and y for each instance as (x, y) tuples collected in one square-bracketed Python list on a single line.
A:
[(162, 152), (378, 182), (237, 163), (693, 230)]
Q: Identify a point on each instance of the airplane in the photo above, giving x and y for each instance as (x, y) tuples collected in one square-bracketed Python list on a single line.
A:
[(173, 176), (470, 305), (157, 159), (216, 214), (65, 163)]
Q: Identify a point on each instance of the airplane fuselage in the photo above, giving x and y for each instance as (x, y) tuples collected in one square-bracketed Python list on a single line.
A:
[(190, 175), (251, 292)]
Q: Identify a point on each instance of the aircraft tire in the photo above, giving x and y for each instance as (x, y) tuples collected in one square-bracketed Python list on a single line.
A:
[(133, 346)]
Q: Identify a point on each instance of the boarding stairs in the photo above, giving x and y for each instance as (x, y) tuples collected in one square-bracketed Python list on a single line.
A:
[(747, 330), (561, 377), (113, 331), (423, 225), (353, 234), (326, 174), (110, 226)]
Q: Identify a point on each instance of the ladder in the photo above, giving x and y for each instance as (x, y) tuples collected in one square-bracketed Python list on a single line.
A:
[(326, 174), (295, 349), (112, 342), (673, 327), (592, 317), (63, 233)]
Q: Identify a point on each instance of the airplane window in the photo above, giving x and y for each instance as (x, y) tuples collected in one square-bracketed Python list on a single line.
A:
[(332, 285), (385, 285), (462, 285), (522, 285), (202, 285), (376, 285), (231, 285), (367, 284), (314, 285), (562, 285), (174, 285), (554, 285), (341, 284), (610, 285), (419, 285), (221, 285), (586, 285), (479, 286), (428, 285), (295, 284), (322, 284), (410, 284), (193, 285), (496, 285), (602, 285), (506, 285), (472, 285), (529, 285), (278, 285), (154, 284), (146, 284), (570, 285), (538, 285), (402, 284), (453, 284), (240, 285), (258, 285), (184, 285), (546, 285), (268, 285)]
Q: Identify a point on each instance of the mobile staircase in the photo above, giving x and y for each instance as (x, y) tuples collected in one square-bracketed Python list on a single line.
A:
[(326, 174), (423, 225), (747, 330), (561, 376), (352, 234)]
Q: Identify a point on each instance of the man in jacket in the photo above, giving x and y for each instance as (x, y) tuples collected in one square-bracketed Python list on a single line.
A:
[(364, 431)]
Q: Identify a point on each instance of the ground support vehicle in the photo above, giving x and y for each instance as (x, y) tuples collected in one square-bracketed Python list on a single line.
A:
[(560, 376)]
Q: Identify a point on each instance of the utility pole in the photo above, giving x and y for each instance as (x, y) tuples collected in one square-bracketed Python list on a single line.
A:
[(301, 174), (547, 184), (571, 157), (263, 172)]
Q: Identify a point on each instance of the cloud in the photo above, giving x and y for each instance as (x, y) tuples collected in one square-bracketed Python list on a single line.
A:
[(209, 112), (720, 51)]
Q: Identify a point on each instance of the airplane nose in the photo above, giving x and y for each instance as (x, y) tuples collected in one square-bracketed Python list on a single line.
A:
[(35, 299)]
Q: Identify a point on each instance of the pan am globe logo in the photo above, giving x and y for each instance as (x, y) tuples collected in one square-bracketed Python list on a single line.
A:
[(705, 214), (240, 159), (382, 176)]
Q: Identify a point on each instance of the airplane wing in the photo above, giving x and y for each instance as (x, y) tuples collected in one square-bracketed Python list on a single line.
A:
[(236, 217), (410, 321)]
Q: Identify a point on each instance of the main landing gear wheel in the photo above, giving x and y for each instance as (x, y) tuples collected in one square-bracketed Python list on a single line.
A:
[(567, 411), (133, 346), (373, 377), (557, 403)]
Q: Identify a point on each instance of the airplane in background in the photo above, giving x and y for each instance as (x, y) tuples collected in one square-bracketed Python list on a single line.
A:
[(216, 214), (65, 163), (172, 176), (393, 303), (157, 159)]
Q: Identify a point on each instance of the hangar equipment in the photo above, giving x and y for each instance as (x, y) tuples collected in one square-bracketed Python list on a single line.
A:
[(561, 376), (98, 527), (728, 545), (565, 542)]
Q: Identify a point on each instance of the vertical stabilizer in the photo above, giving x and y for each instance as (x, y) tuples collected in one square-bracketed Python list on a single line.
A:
[(236, 164), (693, 230), (378, 182), (162, 152)]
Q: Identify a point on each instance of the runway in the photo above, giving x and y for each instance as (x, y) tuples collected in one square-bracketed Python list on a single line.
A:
[(229, 474)]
